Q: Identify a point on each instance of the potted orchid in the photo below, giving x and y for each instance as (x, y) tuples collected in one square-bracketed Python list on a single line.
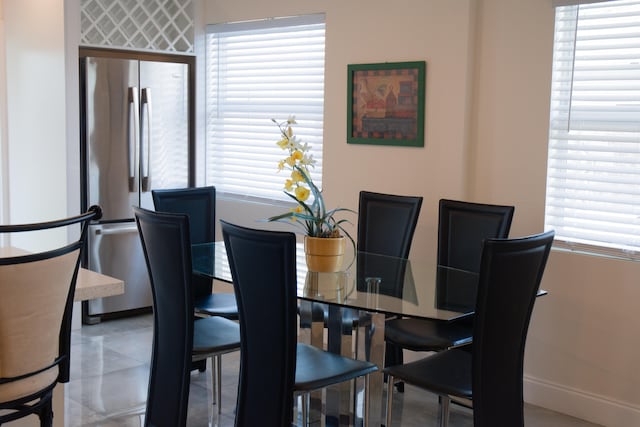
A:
[(324, 233)]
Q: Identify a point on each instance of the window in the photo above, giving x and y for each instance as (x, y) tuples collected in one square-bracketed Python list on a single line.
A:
[(258, 71), (593, 177)]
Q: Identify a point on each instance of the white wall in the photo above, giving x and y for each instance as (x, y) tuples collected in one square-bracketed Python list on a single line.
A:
[(487, 110), (35, 103), (72, 95), (4, 198), (34, 129), (35, 72)]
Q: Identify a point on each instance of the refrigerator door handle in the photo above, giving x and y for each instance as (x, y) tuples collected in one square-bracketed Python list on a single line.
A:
[(114, 231), (133, 133), (145, 138), (98, 233)]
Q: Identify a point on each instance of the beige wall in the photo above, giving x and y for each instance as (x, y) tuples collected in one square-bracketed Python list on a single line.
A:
[(487, 109)]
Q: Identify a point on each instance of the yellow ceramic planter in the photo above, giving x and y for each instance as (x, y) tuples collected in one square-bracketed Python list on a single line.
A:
[(324, 254)]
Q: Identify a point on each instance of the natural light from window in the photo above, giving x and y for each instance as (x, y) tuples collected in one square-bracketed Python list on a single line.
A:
[(593, 179), (257, 71)]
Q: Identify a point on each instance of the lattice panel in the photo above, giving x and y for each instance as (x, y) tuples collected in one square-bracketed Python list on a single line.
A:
[(162, 25)]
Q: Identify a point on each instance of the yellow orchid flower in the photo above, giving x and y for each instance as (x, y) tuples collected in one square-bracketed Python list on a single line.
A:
[(297, 155), (297, 209), (288, 185), (310, 215), (302, 193)]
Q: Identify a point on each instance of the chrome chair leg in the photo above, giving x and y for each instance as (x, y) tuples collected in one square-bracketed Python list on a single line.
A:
[(213, 381), (444, 402), (365, 403), (218, 384), (389, 399), (305, 408)]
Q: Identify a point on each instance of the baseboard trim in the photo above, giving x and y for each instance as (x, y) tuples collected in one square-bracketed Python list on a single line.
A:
[(590, 407)]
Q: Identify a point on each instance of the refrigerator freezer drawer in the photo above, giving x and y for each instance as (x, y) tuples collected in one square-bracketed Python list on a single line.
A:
[(115, 250)]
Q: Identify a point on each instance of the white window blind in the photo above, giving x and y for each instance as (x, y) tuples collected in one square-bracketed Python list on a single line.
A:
[(557, 3), (257, 71), (593, 178)]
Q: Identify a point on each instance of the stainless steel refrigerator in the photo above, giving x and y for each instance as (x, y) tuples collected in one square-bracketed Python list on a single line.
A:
[(137, 134)]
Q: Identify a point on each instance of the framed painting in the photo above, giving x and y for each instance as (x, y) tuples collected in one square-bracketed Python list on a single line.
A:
[(385, 103)]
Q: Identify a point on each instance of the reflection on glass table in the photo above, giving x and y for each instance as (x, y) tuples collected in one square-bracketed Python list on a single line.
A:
[(374, 283)]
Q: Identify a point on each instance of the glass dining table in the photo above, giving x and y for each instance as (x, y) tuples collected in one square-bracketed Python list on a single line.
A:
[(345, 311)]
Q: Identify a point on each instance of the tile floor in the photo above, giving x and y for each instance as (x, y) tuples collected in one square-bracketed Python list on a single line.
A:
[(109, 376)]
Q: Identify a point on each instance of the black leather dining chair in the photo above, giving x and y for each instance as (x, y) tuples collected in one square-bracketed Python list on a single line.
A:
[(199, 203), (177, 338), (386, 224), (462, 229), (489, 371), (273, 365), (36, 308)]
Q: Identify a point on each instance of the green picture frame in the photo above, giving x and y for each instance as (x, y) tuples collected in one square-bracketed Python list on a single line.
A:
[(385, 103)]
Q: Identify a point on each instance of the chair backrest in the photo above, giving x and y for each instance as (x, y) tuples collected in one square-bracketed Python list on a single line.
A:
[(198, 203), (386, 223), (462, 229), (263, 267), (167, 251), (510, 275), (35, 310)]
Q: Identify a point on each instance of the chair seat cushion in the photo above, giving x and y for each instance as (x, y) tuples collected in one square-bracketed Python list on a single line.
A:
[(215, 335), (217, 304), (447, 373), (334, 368), (428, 335)]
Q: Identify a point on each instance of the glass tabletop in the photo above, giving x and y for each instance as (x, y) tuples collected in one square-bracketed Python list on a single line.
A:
[(369, 282)]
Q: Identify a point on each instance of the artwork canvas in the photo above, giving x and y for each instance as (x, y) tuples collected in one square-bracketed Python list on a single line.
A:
[(386, 103)]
